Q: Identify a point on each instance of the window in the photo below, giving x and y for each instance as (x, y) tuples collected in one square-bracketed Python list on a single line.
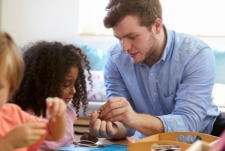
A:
[(197, 17), (209, 17), (177, 15), (91, 15)]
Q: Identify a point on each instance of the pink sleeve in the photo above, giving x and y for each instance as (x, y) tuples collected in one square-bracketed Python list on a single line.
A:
[(71, 113)]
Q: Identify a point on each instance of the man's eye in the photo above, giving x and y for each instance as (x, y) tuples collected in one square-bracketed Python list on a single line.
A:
[(118, 38), (133, 37)]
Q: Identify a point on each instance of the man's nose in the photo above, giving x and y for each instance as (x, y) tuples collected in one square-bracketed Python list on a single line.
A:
[(125, 45)]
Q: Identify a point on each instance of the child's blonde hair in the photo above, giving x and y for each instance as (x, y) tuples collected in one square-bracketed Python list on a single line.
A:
[(11, 60)]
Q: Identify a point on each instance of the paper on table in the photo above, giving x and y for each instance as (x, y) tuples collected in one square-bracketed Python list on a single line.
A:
[(111, 147)]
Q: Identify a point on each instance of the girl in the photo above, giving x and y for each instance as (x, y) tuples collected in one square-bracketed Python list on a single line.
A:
[(19, 129), (56, 70)]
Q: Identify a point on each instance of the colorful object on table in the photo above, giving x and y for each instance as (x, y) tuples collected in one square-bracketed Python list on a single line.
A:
[(87, 137), (166, 148), (164, 141), (219, 145), (131, 140), (110, 147), (88, 143)]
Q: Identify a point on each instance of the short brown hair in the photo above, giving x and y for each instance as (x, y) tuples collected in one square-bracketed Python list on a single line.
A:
[(11, 60), (147, 11)]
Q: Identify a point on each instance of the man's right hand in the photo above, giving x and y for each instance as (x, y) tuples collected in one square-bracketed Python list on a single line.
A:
[(119, 110), (23, 135)]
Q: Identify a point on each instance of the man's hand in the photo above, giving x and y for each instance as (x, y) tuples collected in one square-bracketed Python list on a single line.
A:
[(23, 135), (118, 109), (101, 128)]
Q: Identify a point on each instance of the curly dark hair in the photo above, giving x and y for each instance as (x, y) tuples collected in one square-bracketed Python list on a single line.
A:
[(46, 65)]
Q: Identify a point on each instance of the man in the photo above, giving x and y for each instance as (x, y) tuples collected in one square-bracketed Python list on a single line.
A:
[(157, 80)]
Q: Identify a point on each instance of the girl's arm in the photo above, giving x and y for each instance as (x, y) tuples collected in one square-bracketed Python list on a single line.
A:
[(56, 113)]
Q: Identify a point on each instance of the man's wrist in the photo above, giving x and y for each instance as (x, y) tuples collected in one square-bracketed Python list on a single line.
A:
[(135, 122)]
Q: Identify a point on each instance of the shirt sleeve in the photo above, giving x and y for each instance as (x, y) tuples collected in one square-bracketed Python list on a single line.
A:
[(192, 98), (25, 117), (115, 86)]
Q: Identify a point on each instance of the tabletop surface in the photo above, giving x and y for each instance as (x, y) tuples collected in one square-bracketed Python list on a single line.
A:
[(119, 145), (115, 145)]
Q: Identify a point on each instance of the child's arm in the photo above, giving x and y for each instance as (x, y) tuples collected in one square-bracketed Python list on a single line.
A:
[(56, 109), (23, 135)]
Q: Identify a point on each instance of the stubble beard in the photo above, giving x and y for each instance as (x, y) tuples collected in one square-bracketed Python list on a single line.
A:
[(151, 51)]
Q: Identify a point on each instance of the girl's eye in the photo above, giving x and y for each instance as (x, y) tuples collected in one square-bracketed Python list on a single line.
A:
[(67, 84)]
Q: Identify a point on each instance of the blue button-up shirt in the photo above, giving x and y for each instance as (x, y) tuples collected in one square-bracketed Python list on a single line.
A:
[(176, 89)]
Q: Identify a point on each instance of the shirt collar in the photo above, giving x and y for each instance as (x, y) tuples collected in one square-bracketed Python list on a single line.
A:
[(168, 44)]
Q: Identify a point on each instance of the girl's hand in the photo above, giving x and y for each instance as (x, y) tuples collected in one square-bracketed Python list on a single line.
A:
[(55, 107), (23, 135)]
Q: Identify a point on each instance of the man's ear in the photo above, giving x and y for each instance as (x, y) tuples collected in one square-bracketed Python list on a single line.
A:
[(158, 25)]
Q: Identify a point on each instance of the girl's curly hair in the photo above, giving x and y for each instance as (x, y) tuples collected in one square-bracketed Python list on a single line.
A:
[(46, 65)]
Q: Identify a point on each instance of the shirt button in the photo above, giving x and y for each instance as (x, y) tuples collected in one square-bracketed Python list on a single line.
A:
[(152, 74), (160, 113), (154, 94)]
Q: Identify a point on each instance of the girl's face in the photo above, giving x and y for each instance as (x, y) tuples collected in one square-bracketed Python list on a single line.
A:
[(68, 89), (4, 88)]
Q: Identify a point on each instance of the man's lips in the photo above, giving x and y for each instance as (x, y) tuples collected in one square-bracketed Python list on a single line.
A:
[(133, 54)]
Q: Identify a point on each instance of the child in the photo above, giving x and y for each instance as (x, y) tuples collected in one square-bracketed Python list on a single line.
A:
[(19, 129), (56, 70)]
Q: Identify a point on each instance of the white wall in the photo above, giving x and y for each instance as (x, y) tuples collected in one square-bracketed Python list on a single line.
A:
[(0, 14), (32, 20)]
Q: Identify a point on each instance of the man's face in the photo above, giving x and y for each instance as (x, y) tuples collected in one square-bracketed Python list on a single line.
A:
[(137, 41)]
